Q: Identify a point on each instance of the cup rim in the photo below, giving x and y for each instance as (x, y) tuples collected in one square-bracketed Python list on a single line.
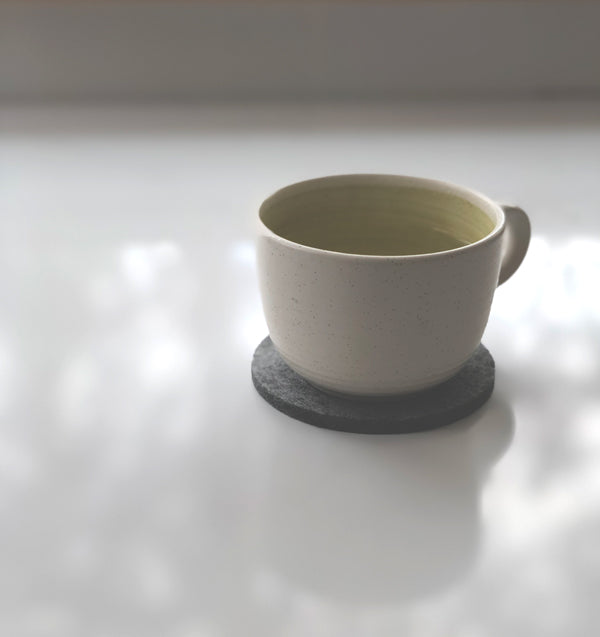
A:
[(478, 199)]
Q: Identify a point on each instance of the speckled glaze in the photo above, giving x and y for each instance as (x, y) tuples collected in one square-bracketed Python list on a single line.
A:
[(378, 326)]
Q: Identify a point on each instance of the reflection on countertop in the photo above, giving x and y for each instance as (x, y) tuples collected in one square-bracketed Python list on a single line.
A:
[(378, 521), (146, 490)]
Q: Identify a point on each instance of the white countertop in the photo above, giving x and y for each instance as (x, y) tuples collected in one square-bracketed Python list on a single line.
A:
[(147, 490)]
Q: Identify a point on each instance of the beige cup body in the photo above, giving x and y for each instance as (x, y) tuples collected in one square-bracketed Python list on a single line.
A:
[(377, 325)]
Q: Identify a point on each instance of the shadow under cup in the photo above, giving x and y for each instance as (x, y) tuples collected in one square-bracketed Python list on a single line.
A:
[(375, 218), (377, 285)]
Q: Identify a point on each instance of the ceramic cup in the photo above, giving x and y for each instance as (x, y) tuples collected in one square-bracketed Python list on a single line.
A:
[(379, 285)]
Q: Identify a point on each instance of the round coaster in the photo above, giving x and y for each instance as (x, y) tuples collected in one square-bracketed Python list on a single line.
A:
[(428, 409)]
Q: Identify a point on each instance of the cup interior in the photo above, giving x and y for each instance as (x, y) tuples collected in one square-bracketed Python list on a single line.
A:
[(378, 215)]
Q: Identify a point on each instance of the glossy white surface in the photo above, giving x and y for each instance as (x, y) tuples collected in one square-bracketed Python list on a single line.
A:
[(146, 489)]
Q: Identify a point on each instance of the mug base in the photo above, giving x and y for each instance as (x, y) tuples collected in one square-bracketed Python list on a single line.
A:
[(423, 410)]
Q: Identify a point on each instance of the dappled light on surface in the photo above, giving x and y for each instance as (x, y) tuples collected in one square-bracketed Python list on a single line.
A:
[(141, 263), (557, 282), (146, 490)]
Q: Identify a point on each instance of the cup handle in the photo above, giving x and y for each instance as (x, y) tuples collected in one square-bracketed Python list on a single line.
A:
[(515, 241)]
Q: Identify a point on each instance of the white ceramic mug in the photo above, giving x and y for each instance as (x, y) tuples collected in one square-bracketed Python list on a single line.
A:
[(378, 285)]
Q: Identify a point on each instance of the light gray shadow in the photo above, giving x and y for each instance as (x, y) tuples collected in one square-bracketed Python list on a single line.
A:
[(375, 520)]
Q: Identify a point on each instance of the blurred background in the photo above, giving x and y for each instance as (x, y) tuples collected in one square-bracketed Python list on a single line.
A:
[(280, 50), (145, 490)]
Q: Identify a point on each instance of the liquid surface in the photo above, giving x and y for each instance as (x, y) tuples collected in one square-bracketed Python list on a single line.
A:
[(376, 220), (369, 233)]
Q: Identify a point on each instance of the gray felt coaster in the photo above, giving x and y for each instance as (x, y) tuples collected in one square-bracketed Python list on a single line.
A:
[(427, 409)]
